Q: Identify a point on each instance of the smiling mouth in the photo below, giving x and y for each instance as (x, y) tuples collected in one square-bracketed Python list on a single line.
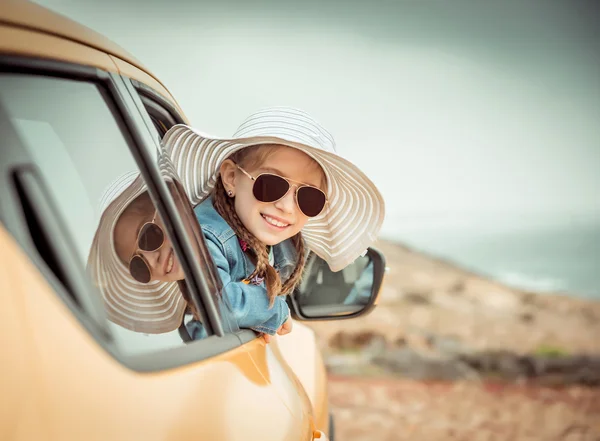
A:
[(274, 222)]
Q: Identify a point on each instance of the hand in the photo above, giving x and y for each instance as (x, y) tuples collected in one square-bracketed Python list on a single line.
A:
[(286, 328)]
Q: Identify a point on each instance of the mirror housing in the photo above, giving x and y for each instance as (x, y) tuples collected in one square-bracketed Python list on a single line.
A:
[(351, 292)]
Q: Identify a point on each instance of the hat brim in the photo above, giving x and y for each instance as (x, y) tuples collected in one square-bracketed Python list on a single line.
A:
[(343, 231)]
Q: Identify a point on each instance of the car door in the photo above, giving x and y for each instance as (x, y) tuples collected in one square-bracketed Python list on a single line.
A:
[(68, 131)]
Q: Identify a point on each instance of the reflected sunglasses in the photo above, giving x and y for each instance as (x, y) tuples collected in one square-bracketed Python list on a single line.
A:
[(269, 187), (150, 238)]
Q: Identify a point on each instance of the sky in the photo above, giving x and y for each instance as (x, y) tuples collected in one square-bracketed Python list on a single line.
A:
[(466, 115)]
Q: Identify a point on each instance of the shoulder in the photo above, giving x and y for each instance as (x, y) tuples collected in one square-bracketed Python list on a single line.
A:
[(285, 254), (212, 223), (220, 237)]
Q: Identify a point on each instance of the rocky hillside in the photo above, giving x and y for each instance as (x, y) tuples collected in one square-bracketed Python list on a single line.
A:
[(435, 320), (515, 365)]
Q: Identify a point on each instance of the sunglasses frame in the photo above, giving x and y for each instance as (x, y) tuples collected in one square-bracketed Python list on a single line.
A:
[(137, 242), (289, 181)]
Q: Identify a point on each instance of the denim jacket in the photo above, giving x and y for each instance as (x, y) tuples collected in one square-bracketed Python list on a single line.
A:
[(248, 303)]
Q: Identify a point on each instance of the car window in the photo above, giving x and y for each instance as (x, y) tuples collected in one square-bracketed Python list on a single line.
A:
[(160, 116), (82, 152)]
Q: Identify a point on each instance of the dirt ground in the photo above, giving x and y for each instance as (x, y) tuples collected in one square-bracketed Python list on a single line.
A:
[(432, 308), (424, 295), (396, 409)]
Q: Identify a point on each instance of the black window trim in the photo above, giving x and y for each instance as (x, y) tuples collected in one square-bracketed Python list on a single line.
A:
[(166, 206), (209, 307), (113, 83), (157, 101), (156, 105)]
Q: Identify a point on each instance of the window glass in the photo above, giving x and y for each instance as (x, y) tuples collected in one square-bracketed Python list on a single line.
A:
[(82, 152)]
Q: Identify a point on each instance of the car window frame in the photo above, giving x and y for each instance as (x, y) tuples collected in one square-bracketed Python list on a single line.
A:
[(152, 99), (132, 123), (212, 277)]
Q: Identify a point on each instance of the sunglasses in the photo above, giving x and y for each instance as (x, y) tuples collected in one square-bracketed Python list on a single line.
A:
[(150, 238), (269, 187)]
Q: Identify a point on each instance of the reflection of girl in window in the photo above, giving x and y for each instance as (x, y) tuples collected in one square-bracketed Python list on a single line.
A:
[(132, 260)]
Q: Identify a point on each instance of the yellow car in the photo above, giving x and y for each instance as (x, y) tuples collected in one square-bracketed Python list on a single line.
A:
[(75, 112)]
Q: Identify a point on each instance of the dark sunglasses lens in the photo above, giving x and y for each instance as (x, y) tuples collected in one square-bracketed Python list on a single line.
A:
[(139, 269), (269, 188), (151, 237), (311, 200)]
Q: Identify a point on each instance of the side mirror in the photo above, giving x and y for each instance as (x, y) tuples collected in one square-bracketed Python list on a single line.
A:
[(325, 295)]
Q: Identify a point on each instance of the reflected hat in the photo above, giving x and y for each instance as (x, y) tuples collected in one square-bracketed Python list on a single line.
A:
[(152, 308), (351, 220)]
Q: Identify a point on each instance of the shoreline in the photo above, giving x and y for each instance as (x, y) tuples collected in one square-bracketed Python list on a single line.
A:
[(492, 258), (435, 319), (472, 272)]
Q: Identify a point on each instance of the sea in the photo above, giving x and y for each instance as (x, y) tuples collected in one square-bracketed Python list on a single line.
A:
[(564, 258)]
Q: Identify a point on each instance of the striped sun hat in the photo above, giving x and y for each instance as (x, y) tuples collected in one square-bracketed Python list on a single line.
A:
[(351, 220), (152, 308)]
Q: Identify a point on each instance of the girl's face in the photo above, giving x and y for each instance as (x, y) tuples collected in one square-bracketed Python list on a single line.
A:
[(163, 263), (272, 222)]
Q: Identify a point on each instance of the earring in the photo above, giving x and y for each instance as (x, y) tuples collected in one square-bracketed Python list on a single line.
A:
[(230, 193)]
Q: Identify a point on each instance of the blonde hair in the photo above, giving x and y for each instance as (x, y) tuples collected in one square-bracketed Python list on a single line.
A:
[(225, 206)]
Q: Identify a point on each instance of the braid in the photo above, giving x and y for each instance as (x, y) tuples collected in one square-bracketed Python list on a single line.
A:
[(296, 275), (226, 208)]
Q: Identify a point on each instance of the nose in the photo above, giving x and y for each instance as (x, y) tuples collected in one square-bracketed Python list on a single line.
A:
[(287, 204), (151, 257)]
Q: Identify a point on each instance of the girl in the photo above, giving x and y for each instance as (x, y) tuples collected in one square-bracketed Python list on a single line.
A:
[(264, 198), (133, 263)]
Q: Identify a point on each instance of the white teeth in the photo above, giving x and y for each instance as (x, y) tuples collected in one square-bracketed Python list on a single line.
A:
[(274, 222), (170, 264)]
